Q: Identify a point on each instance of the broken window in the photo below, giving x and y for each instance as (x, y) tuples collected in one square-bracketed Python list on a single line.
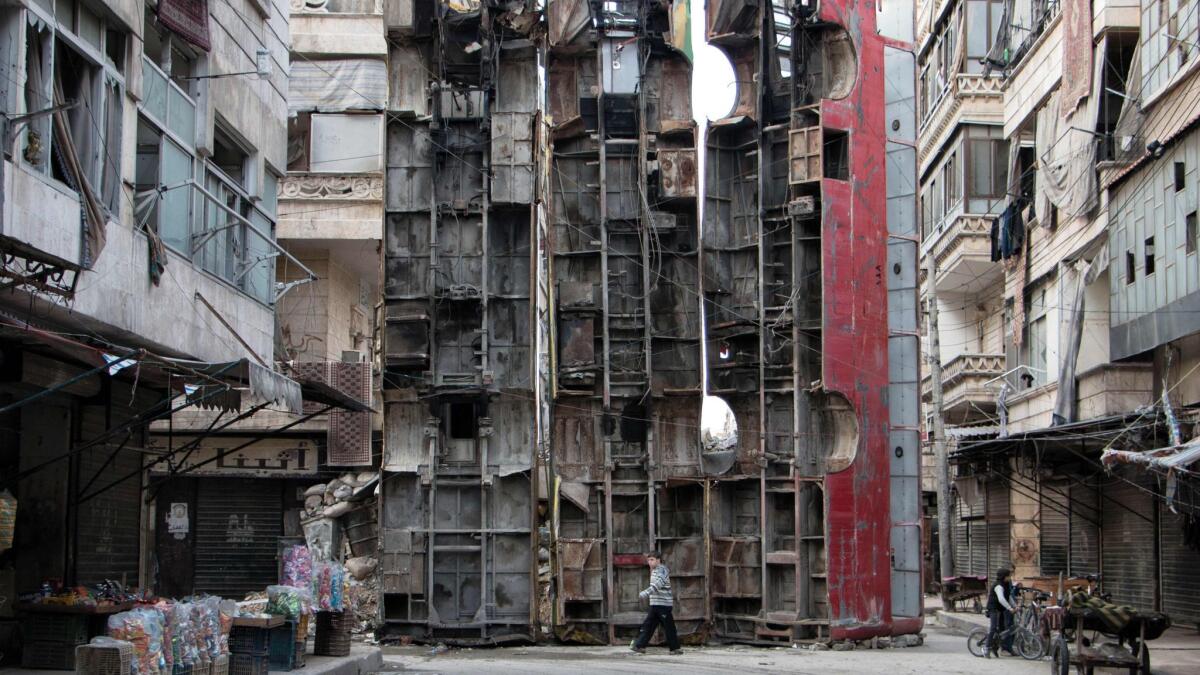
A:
[(1180, 176), (69, 62), (163, 163), (1130, 268), (1148, 252)]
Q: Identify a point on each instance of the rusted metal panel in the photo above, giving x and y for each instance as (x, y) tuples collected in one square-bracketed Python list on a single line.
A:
[(568, 19), (578, 453), (580, 569), (512, 158), (408, 86), (409, 167), (405, 446), (677, 439), (677, 173)]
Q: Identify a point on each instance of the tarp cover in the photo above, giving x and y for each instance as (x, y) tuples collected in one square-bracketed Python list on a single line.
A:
[(337, 85), (1077, 53)]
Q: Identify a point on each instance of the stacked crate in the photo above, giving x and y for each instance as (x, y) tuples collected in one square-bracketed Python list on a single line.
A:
[(51, 639), (333, 634), (249, 650)]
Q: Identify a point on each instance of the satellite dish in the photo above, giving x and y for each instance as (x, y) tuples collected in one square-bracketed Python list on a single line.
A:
[(718, 436)]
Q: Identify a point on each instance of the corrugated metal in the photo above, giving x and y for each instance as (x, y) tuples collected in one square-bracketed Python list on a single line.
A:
[(1085, 531), (107, 526), (1055, 529), (998, 526), (971, 539), (1180, 582), (238, 525), (1128, 555)]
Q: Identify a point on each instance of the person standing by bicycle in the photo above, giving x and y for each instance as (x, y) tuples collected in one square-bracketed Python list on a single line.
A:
[(1000, 613)]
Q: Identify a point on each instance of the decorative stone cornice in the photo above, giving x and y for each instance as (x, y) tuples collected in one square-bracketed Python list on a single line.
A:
[(316, 186)]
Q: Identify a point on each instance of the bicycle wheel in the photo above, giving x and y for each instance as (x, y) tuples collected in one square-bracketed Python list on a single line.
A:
[(977, 642), (1030, 645)]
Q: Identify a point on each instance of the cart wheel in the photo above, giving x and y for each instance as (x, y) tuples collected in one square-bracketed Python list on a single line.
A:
[(1145, 659), (1060, 657)]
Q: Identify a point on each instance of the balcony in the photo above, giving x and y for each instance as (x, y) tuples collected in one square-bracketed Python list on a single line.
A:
[(963, 252), (1113, 389), (967, 97), (330, 207), (965, 398), (338, 28)]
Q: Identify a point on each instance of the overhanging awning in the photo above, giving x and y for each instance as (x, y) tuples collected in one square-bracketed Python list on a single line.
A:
[(264, 384), (1068, 440)]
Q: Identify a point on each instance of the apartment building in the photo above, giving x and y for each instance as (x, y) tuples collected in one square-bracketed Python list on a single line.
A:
[(143, 148), (1056, 244), (329, 198)]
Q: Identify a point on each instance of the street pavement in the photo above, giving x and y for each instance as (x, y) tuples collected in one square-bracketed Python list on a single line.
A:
[(944, 652)]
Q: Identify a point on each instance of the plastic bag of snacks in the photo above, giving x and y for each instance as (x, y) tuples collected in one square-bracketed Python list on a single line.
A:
[(143, 629), (288, 601), (329, 578), (229, 611), (211, 616), (297, 567)]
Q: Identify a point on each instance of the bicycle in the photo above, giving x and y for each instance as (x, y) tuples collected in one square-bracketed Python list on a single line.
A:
[(1027, 642)]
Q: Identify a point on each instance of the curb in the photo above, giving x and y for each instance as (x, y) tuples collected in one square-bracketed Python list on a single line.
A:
[(960, 622)]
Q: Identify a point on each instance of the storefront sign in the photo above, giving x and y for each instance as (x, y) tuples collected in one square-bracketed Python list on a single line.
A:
[(216, 456)]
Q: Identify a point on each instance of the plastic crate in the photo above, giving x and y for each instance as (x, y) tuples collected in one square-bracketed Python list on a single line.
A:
[(107, 659), (283, 646), (250, 641), (333, 634), (220, 666), (48, 656), (301, 648), (69, 629), (183, 669), (245, 664)]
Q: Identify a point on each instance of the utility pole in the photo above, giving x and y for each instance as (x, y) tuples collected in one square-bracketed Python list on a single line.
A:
[(941, 465)]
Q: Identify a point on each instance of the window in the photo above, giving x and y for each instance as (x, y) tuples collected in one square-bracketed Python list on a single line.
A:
[(1149, 256), (1191, 233), (983, 23), (953, 181), (1034, 342), (335, 143), (1130, 268), (162, 162), (80, 58), (1180, 176), (987, 167)]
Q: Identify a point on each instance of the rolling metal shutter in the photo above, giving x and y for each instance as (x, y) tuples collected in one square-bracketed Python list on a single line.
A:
[(108, 531), (238, 525), (970, 540), (1085, 531), (1055, 529), (1180, 564), (1128, 553), (998, 526)]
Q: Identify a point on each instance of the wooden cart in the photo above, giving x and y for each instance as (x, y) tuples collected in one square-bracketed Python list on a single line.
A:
[(962, 589), (1127, 650)]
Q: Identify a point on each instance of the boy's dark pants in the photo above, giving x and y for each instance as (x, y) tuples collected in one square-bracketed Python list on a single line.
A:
[(659, 614)]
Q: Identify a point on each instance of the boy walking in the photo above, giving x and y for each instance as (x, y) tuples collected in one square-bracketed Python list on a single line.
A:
[(661, 606)]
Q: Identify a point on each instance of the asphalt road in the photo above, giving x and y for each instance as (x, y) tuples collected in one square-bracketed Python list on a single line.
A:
[(944, 652)]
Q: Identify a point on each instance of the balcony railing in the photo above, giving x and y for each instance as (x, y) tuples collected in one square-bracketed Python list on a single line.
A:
[(960, 87), (963, 253), (965, 396), (337, 7)]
